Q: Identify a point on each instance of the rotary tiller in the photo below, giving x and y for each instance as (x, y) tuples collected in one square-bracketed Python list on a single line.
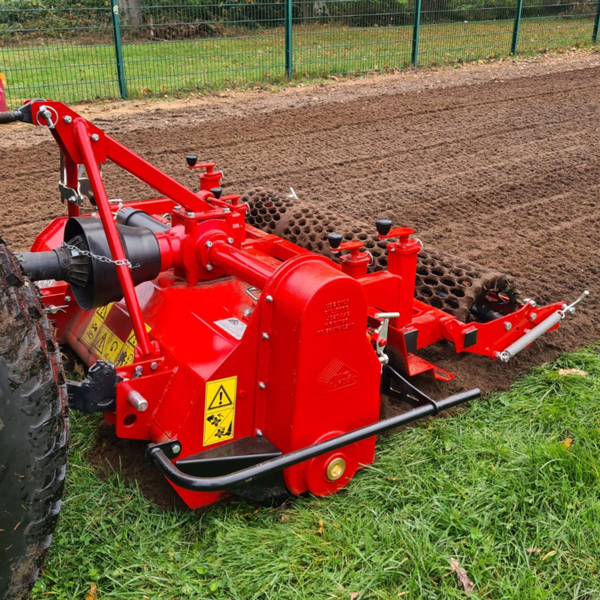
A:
[(245, 338)]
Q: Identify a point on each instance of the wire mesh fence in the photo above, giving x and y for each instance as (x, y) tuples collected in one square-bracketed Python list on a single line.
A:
[(87, 49)]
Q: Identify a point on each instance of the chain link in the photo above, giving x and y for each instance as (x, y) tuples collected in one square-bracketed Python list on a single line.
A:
[(119, 263)]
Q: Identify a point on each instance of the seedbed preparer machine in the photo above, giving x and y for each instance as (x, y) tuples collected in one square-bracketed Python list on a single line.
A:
[(252, 363)]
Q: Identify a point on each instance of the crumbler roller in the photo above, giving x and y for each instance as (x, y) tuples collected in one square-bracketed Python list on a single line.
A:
[(245, 339)]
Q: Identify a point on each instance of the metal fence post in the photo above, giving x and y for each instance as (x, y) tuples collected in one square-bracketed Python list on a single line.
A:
[(289, 58), (416, 34), (119, 48), (516, 28), (596, 25)]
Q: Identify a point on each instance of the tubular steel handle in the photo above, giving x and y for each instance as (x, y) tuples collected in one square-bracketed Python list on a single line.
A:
[(224, 482), (12, 116)]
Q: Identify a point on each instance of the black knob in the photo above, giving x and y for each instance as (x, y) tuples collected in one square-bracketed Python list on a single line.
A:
[(191, 159), (335, 239), (383, 226), (216, 192)]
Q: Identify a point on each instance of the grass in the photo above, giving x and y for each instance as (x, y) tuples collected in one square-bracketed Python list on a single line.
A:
[(71, 72), (510, 487)]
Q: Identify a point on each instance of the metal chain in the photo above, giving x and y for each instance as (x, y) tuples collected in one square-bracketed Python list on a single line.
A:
[(75, 251)]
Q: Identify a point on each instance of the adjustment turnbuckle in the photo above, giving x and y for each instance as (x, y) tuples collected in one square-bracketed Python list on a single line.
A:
[(539, 330)]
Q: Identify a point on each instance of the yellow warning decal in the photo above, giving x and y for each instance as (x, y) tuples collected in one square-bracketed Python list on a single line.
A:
[(93, 329), (219, 410), (105, 344)]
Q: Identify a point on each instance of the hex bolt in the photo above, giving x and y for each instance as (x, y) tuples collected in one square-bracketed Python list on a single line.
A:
[(508, 326), (209, 244), (533, 303), (190, 214), (209, 267), (95, 137), (259, 433), (137, 401), (269, 298), (68, 120), (533, 316), (47, 114), (230, 240), (176, 449), (67, 298), (265, 335), (154, 366), (262, 385), (139, 370)]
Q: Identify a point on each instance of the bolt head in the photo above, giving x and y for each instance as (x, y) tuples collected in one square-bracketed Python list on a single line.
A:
[(67, 298), (190, 214), (508, 326), (175, 448), (139, 369), (262, 385), (336, 468), (209, 267), (533, 316), (230, 240), (269, 298), (209, 244), (68, 119), (259, 433), (95, 137), (154, 366), (265, 336)]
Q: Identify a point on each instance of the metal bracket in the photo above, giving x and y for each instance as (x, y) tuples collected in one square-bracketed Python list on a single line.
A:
[(97, 392), (407, 393)]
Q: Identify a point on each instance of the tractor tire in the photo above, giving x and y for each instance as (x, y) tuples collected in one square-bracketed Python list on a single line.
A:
[(33, 431)]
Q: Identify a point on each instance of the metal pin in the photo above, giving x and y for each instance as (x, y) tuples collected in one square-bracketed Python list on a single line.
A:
[(137, 401)]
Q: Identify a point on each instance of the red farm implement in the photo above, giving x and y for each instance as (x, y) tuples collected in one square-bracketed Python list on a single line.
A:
[(244, 338)]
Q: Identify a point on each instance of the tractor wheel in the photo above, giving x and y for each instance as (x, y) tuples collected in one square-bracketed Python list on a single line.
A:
[(33, 431)]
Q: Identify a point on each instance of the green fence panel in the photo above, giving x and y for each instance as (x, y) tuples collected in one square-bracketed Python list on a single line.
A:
[(76, 50), (189, 47), (65, 52), (339, 37)]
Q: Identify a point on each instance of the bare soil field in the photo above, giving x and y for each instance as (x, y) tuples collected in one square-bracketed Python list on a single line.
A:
[(498, 164)]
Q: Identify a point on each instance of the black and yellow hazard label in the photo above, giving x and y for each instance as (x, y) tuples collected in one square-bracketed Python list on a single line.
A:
[(219, 410), (105, 344)]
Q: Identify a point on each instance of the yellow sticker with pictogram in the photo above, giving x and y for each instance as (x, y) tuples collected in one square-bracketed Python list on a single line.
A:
[(219, 410), (105, 344)]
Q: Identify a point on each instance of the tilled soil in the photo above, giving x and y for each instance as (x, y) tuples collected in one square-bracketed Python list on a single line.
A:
[(502, 171)]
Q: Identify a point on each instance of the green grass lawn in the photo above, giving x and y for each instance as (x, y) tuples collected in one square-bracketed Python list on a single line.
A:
[(71, 72), (510, 487)]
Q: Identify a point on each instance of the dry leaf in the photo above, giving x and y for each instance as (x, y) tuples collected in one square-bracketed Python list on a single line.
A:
[(549, 554), (93, 593), (567, 443), (392, 478), (533, 551), (461, 575), (355, 595), (283, 518), (578, 372), (320, 530)]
